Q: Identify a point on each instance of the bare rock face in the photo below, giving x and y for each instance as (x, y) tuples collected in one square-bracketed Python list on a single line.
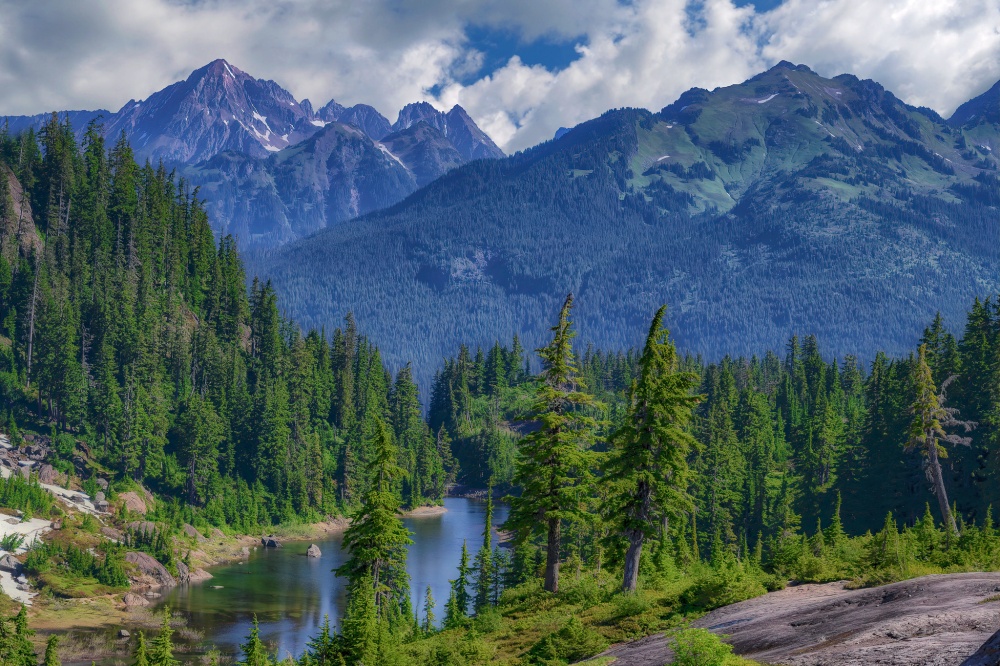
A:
[(218, 108), (314, 551), (112, 533), (133, 600), (270, 542), (933, 621), (198, 576), (987, 655), (190, 531), (132, 502), (48, 474), (144, 526), (10, 564), (150, 572)]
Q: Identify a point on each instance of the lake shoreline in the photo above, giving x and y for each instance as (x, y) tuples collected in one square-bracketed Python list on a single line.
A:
[(110, 612)]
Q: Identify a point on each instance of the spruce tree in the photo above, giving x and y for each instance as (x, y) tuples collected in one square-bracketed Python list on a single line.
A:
[(927, 432), (51, 652), (648, 458), (161, 650), (484, 564), (554, 468), (141, 655), (377, 539), (360, 626), (254, 651), (428, 625)]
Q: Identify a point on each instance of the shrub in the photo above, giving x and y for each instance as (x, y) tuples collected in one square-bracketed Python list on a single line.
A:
[(700, 647), (726, 584), (574, 642), (629, 605), (488, 621), (12, 542)]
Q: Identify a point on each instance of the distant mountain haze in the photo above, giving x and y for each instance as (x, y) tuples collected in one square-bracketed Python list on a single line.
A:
[(227, 132)]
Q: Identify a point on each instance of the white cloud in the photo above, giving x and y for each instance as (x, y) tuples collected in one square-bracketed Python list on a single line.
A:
[(64, 54)]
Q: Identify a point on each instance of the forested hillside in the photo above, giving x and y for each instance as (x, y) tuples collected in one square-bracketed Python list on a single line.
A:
[(127, 327), (662, 485), (787, 204)]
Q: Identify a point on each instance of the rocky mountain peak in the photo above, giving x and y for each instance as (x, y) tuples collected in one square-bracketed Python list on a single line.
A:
[(416, 112), (218, 107), (982, 109), (472, 142)]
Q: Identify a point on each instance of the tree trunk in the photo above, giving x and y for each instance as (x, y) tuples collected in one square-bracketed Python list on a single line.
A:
[(632, 557), (552, 557), (939, 490), (31, 326)]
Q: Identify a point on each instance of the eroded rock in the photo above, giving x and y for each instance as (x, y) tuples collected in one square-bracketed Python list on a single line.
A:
[(933, 621), (133, 600), (132, 502), (313, 551), (987, 655), (150, 572), (192, 532), (10, 564)]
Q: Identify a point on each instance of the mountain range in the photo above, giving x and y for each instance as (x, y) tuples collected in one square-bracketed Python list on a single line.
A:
[(272, 168), (790, 203)]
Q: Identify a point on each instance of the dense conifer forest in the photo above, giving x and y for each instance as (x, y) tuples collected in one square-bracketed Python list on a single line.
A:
[(659, 484)]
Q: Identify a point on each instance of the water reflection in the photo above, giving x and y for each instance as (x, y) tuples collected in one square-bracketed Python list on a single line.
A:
[(290, 593)]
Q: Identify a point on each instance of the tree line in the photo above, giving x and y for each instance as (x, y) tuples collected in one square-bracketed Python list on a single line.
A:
[(126, 327)]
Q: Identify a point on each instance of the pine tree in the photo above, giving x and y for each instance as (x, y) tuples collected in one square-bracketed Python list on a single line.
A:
[(140, 655), (161, 650), (460, 586), (649, 452), (361, 623), (428, 625), (927, 432), (554, 469), (254, 652), (376, 539), (323, 649), (51, 653), (484, 559)]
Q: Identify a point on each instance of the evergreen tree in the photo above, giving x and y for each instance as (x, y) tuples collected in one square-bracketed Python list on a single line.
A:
[(460, 586), (649, 452), (51, 657), (140, 655), (161, 650), (254, 652), (376, 539), (428, 625), (484, 564), (361, 623), (554, 470), (927, 432)]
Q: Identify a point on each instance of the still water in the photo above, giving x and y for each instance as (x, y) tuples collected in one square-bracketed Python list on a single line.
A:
[(291, 593)]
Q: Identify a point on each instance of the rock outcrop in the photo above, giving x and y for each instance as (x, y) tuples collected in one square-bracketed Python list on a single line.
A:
[(10, 564), (313, 551), (133, 600), (190, 531), (987, 655), (132, 502), (150, 573), (933, 621)]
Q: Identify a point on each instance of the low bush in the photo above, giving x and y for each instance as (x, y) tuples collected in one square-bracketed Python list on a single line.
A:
[(574, 642)]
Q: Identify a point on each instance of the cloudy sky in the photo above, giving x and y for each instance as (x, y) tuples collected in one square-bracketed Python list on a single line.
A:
[(522, 68)]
